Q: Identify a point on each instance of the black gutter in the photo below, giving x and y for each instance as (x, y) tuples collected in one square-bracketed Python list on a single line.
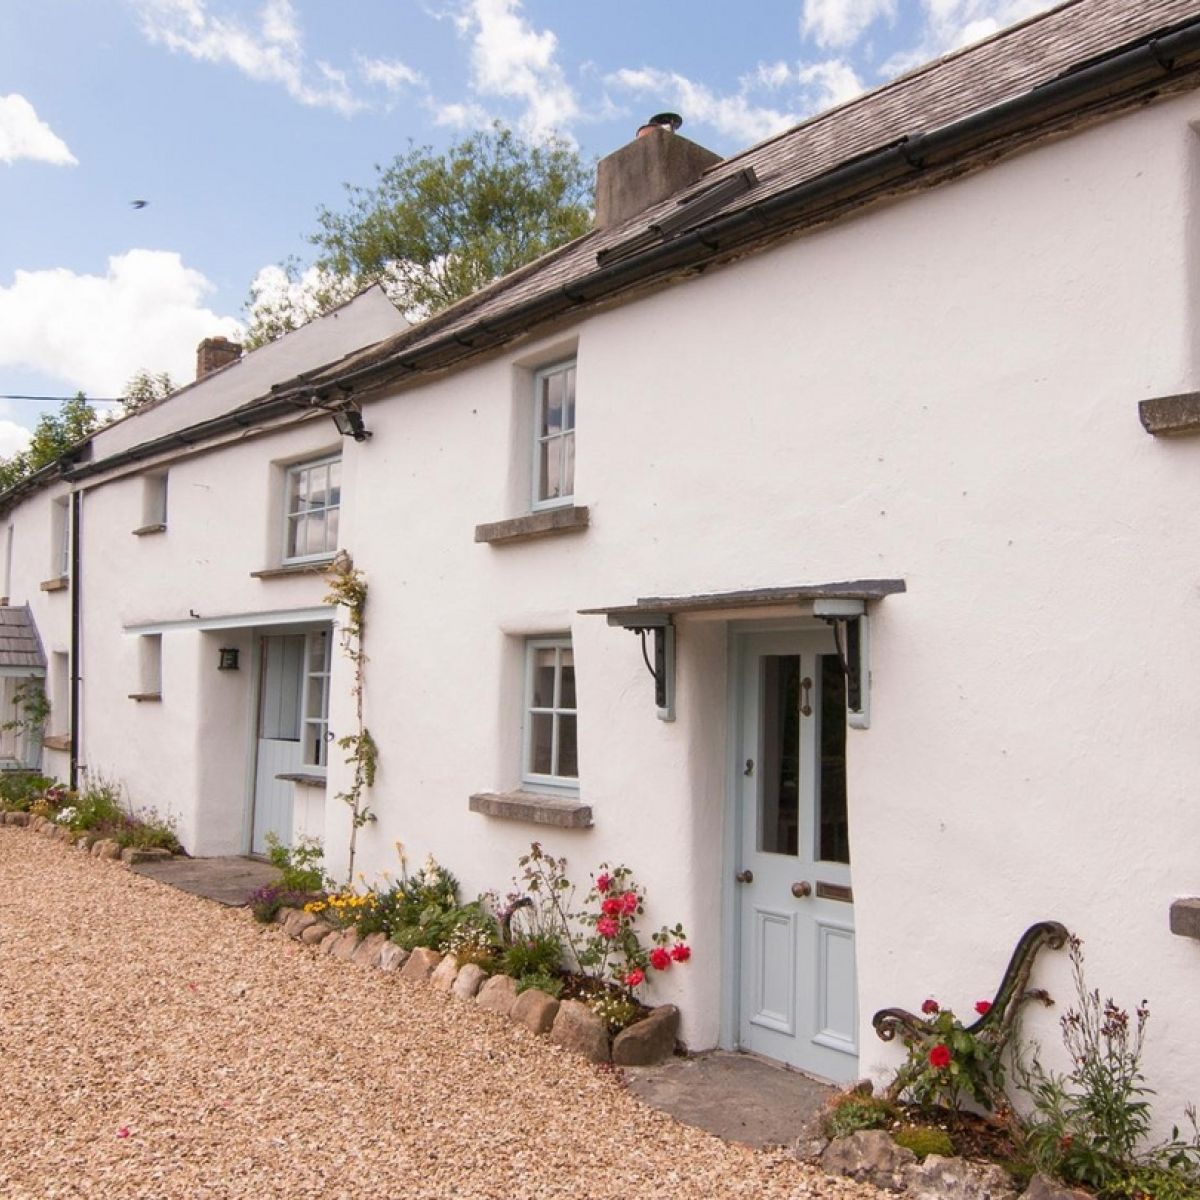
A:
[(76, 630), (1126, 74)]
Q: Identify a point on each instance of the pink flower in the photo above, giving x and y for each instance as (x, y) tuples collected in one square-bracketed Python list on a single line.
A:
[(611, 907), (660, 958), (629, 903), (123, 1132), (680, 952), (983, 1007), (636, 976), (606, 927), (939, 1056), (602, 883), (930, 1007)]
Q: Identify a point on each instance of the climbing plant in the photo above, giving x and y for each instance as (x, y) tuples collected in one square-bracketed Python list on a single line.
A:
[(348, 591), (32, 707)]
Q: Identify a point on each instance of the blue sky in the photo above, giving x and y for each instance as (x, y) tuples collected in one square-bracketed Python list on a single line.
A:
[(236, 119)]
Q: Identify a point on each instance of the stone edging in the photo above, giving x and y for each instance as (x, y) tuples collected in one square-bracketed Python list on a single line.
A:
[(93, 843), (568, 1023)]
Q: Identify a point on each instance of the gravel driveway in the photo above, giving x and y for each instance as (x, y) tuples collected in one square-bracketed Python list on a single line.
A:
[(156, 1045)]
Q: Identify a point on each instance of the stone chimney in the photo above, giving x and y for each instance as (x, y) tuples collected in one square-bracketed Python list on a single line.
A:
[(657, 163), (214, 353)]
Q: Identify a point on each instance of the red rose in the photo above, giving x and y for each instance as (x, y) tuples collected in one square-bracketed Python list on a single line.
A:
[(611, 907), (680, 952), (636, 976), (660, 958), (983, 1007), (602, 882), (606, 927), (629, 903), (939, 1056), (930, 1007)]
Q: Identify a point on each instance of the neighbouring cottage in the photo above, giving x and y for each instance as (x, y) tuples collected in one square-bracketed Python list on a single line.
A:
[(791, 537)]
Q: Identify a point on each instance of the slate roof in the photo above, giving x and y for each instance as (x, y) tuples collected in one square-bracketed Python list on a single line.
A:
[(20, 645), (1011, 64)]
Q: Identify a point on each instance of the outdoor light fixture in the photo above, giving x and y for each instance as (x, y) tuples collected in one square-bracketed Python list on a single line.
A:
[(349, 423), (228, 660)]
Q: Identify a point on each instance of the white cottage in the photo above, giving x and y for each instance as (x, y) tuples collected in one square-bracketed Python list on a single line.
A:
[(792, 538)]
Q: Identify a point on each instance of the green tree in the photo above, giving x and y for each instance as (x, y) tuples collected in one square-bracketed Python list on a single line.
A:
[(433, 229), (53, 436), (144, 388)]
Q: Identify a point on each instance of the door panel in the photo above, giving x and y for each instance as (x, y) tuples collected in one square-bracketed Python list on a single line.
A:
[(798, 991), (279, 750)]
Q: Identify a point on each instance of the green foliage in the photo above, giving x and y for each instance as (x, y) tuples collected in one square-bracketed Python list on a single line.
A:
[(848, 1112), (552, 985), (538, 954), (54, 435), (617, 1010), (947, 1063), (299, 866), (148, 831), (19, 790), (143, 389), (32, 707), (435, 228), (98, 806), (923, 1141)]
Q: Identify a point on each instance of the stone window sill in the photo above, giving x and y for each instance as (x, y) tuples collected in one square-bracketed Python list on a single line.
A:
[(1171, 416), (57, 741), (304, 780), (140, 697), (1185, 918), (145, 530), (571, 518), (58, 584), (566, 812), (304, 568)]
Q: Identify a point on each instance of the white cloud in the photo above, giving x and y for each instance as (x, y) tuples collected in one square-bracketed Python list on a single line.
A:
[(513, 61), (24, 135), (830, 83), (842, 22), (272, 53), (95, 331), (460, 115), (13, 438), (390, 74), (734, 116), (951, 24)]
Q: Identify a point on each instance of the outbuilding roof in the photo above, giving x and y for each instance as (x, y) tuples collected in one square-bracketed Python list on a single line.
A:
[(20, 646)]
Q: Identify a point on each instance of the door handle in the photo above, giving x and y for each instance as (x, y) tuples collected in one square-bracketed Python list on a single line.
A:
[(745, 877), (802, 889), (805, 697)]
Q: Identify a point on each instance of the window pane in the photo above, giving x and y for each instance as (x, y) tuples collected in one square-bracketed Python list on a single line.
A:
[(779, 802), (315, 538), (549, 456), (317, 643), (316, 707), (552, 404), (568, 467), (318, 478), (541, 735), (335, 482), (569, 398), (567, 698), (299, 490), (833, 830), (568, 756), (295, 538), (331, 528), (543, 678)]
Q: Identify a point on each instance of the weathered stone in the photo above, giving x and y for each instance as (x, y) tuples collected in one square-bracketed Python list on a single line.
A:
[(535, 1010), (1042, 1187), (870, 1156), (442, 979), (17, 818), (284, 913), (345, 946), (369, 949), (578, 1028), (1185, 917), (468, 981), (155, 854), (298, 922), (64, 834), (318, 931), (331, 942), (939, 1178), (392, 957), (651, 1040), (421, 964), (498, 995), (106, 848)]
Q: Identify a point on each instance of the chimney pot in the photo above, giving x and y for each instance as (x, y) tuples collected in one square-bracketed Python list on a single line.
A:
[(214, 353)]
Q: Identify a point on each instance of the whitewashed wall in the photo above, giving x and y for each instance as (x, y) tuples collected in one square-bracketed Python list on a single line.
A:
[(945, 391)]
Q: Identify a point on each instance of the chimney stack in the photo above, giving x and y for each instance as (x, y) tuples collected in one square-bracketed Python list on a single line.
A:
[(214, 353), (656, 164)]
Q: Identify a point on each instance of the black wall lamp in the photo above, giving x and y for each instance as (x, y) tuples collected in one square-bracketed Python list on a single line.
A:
[(228, 660), (349, 423)]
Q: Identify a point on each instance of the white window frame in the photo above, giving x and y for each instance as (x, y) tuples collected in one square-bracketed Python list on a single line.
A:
[(297, 469), (568, 364), (316, 679), (61, 549), (563, 783), (154, 498)]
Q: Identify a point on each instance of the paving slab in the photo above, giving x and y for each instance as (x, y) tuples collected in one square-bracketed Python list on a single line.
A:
[(227, 880), (736, 1096)]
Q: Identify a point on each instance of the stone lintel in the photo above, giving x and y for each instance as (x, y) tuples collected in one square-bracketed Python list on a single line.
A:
[(570, 518), (538, 809), (1171, 416), (1185, 917), (59, 583)]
